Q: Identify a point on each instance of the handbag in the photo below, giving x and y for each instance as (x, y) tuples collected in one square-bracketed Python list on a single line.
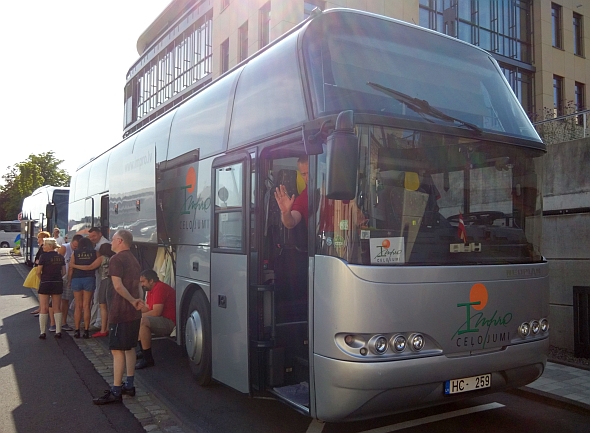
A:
[(33, 280)]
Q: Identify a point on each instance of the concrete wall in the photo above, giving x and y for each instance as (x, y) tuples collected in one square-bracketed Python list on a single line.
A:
[(566, 238)]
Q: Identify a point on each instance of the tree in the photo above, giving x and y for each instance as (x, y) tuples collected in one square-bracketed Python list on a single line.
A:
[(25, 177)]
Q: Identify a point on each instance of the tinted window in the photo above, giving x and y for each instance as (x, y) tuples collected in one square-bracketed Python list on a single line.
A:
[(200, 122), (269, 96), (346, 51)]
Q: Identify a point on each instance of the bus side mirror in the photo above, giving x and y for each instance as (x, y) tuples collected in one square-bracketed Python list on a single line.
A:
[(342, 159), (49, 209)]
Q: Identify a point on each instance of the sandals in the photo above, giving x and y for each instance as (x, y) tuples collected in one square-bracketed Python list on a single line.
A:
[(77, 333)]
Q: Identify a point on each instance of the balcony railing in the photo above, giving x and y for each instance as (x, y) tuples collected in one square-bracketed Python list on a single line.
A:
[(564, 128)]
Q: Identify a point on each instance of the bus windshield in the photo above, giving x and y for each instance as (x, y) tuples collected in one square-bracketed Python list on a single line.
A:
[(359, 60), (414, 188)]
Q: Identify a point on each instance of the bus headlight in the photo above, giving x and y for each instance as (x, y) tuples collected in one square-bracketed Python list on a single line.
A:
[(380, 345), (524, 329), (399, 343), (417, 341), (535, 327), (544, 325)]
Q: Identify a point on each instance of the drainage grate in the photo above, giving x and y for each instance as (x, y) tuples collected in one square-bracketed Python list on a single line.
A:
[(582, 321)]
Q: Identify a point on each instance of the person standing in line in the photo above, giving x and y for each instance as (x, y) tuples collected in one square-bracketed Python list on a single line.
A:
[(102, 265), (98, 240), (82, 284), (124, 317), (51, 269), (67, 296), (59, 240), (40, 237)]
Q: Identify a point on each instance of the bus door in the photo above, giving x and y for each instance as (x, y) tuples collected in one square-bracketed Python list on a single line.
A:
[(104, 216), (229, 270), (282, 331)]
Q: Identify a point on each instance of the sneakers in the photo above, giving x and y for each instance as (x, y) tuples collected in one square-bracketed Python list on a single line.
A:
[(52, 328), (57, 335), (128, 391), (66, 327), (100, 334), (144, 363), (108, 397), (86, 334), (42, 336)]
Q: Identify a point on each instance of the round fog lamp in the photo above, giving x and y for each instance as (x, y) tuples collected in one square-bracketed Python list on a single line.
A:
[(535, 327), (399, 343), (417, 342), (380, 345), (524, 329), (544, 325)]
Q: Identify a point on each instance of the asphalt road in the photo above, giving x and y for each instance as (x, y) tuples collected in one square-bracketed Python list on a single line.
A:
[(48, 386)]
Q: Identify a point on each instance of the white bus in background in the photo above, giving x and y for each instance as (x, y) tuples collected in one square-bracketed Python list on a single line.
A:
[(9, 234), (44, 209)]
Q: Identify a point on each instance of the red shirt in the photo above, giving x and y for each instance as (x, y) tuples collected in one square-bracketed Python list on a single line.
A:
[(163, 294), (300, 205)]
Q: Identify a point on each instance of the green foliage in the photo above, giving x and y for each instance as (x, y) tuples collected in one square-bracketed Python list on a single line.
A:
[(25, 177)]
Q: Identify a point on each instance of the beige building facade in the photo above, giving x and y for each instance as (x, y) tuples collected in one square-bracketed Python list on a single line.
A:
[(540, 45)]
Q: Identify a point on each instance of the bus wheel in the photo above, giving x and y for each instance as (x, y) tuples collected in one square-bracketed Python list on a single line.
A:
[(4, 245), (197, 338)]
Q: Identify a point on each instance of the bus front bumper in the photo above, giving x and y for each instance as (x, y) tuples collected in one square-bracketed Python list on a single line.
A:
[(347, 391)]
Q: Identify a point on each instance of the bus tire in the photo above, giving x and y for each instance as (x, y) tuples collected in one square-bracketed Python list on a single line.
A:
[(4, 245), (197, 338)]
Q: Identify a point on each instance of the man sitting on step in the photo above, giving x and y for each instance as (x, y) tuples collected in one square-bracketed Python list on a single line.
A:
[(158, 317)]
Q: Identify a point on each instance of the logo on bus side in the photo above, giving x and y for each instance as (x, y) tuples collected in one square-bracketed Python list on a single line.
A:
[(191, 205), (477, 322)]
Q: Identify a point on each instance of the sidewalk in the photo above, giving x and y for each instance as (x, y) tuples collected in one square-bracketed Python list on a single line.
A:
[(564, 383)]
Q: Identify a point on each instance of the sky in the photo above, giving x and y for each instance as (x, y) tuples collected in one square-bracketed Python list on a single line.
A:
[(63, 72)]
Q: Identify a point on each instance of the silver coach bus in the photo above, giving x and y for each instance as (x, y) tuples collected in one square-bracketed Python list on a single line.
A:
[(417, 278)]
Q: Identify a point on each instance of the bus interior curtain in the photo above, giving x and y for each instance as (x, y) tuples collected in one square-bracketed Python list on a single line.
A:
[(164, 266)]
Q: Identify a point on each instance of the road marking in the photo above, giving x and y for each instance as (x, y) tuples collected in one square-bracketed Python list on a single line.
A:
[(434, 418), (315, 426)]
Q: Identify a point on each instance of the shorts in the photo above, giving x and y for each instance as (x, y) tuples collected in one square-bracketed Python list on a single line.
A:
[(67, 295), (88, 284), (51, 287), (160, 326), (123, 336)]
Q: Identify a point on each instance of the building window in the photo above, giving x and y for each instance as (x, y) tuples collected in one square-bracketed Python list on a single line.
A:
[(501, 27), (224, 4), (310, 5), (521, 82), (556, 26), (557, 95), (580, 100), (225, 56), (578, 35), (243, 41), (264, 24)]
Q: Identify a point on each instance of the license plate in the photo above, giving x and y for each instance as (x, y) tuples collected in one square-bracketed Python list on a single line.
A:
[(465, 384)]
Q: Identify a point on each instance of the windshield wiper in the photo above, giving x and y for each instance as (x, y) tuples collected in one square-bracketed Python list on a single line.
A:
[(422, 107)]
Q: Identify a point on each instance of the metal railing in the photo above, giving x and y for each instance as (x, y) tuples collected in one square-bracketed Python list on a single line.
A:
[(564, 128)]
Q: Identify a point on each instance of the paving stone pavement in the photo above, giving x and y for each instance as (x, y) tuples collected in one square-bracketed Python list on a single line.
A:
[(564, 382), (151, 413)]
